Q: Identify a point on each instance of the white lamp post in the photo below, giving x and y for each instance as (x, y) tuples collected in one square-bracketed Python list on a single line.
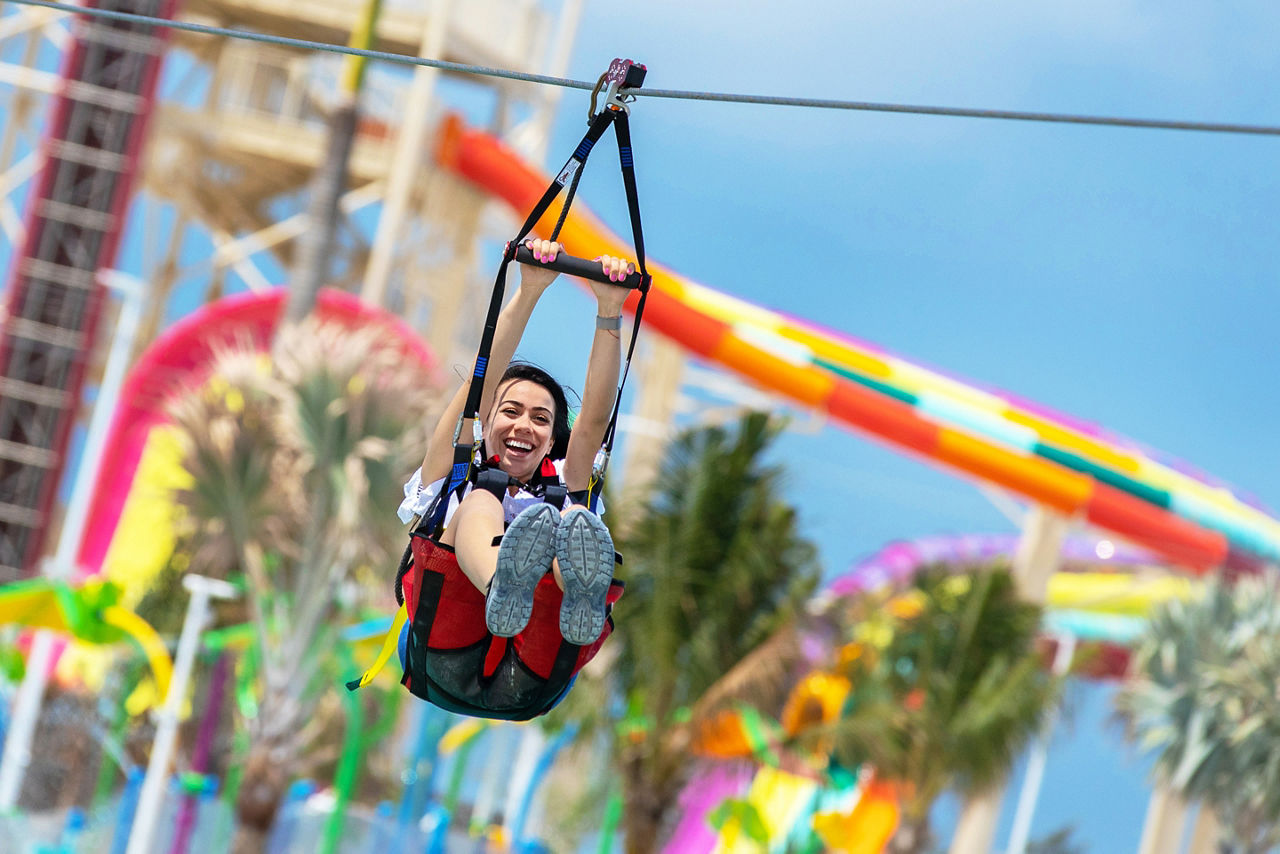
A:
[(149, 801)]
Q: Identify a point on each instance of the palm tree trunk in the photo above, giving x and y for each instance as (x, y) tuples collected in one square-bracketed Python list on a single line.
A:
[(249, 840), (315, 246), (911, 837), (650, 798), (266, 779)]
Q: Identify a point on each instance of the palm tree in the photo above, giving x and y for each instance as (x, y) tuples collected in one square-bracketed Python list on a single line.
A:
[(715, 569), (948, 687), (296, 463), (1203, 697)]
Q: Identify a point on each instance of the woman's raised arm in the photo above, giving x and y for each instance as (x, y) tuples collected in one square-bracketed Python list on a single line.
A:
[(506, 337), (601, 384)]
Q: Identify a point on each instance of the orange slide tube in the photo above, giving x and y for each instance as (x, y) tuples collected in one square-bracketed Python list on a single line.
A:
[(483, 160)]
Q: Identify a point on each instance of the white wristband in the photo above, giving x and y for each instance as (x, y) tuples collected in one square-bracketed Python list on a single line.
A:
[(611, 323)]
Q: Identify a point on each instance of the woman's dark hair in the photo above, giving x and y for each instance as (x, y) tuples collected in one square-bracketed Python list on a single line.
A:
[(560, 423)]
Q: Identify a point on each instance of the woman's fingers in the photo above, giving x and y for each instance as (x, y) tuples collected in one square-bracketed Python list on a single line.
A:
[(543, 250), (616, 269)]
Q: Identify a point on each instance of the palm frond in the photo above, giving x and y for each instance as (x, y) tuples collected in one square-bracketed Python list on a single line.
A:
[(762, 678), (296, 466), (1203, 699), (717, 575), (945, 693)]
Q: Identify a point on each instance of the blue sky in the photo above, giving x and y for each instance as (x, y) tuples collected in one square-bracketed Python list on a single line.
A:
[(1126, 277)]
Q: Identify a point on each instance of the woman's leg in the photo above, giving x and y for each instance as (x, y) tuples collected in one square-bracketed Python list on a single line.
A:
[(472, 541), (585, 558), (475, 525)]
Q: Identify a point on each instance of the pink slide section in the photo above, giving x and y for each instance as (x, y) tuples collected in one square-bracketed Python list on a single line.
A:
[(181, 359)]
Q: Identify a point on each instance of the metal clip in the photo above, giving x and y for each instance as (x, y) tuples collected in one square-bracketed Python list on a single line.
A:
[(600, 465), (623, 74), (477, 432)]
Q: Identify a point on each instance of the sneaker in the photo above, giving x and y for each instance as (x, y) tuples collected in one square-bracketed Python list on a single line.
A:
[(523, 558), (585, 551)]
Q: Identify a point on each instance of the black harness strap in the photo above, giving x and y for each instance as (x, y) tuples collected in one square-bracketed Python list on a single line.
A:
[(622, 129), (558, 679)]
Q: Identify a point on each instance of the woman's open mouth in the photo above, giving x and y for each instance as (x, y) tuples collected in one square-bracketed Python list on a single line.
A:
[(518, 448)]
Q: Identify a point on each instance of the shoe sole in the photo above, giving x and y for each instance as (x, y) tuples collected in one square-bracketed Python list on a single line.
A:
[(523, 558), (585, 551)]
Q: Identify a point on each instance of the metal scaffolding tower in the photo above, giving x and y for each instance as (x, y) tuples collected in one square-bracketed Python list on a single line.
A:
[(73, 225)]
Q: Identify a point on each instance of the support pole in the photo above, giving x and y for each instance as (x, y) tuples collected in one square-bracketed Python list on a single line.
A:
[(976, 829), (153, 785), (1037, 558), (647, 425), (1030, 793), (534, 136), (521, 780), (497, 772), (1206, 832), (1039, 552), (1166, 816)]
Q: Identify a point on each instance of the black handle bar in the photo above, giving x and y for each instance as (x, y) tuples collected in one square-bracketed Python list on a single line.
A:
[(576, 266)]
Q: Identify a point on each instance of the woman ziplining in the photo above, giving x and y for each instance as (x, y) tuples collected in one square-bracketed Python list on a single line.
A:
[(555, 561), (507, 584)]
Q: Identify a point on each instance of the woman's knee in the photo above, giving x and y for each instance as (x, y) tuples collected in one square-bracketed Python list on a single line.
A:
[(480, 501), (478, 508)]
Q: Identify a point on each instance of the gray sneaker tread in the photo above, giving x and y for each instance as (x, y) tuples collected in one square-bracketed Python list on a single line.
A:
[(585, 551), (524, 556)]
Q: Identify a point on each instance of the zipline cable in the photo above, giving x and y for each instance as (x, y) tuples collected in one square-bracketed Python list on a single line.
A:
[(678, 94)]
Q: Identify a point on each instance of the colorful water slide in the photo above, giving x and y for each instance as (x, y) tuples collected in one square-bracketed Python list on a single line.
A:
[(1118, 583), (1074, 468)]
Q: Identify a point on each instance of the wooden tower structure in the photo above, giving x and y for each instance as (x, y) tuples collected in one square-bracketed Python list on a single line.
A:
[(207, 174)]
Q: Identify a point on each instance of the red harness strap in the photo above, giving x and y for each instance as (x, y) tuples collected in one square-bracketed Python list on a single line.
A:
[(458, 619)]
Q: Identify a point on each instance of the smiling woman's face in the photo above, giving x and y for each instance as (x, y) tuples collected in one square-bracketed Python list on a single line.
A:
[(520, 428)]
